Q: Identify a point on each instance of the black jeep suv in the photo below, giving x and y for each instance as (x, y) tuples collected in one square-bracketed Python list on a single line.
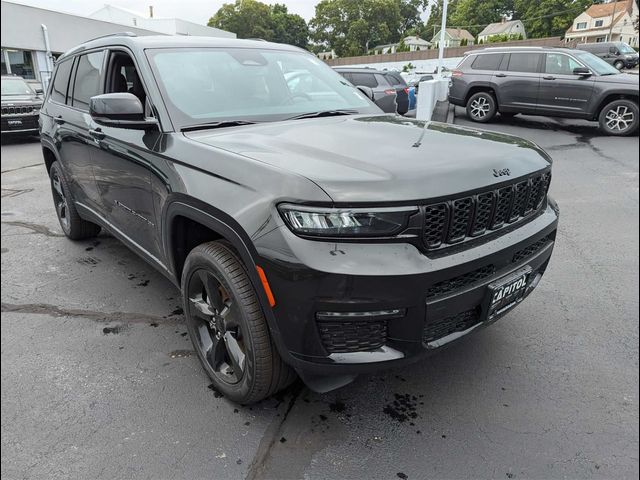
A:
[(555, 82), (309, 232)]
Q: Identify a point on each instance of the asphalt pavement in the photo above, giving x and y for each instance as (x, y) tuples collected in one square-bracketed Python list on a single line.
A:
[(99, 379)]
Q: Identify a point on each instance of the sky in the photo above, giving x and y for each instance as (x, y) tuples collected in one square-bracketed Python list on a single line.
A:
[(198, 11)]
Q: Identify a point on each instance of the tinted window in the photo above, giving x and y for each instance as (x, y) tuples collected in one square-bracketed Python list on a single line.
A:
[(560, 64), (366, 79), (396, 79), (61, 81), (87, 82), (524, 62), (487, 62), (382, 81)]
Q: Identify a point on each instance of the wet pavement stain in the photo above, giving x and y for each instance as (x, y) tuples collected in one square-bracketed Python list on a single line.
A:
[(114, 330), (35, 228), (401, 475), (177, 311), (216, 393), (403, 408), (88, 261), (143, 283), (337, 406)]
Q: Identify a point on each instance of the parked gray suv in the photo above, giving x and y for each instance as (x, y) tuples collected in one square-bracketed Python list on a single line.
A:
[(555, 82)]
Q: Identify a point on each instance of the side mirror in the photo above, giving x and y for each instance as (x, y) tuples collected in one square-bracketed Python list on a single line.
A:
[(614, 50), (582, 71), (39, 91), (366, 90), (120, 110)]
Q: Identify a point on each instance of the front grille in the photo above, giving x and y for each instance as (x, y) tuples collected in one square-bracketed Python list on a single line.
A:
[(531, 249), (456, 283), (455, 323), (460, 219), (352, 336), (18, 110)]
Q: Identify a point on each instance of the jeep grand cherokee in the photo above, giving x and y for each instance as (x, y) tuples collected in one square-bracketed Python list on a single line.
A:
[(309, 232)]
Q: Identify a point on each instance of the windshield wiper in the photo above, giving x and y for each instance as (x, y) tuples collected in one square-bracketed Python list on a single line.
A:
[(323, 113), (227, 123)]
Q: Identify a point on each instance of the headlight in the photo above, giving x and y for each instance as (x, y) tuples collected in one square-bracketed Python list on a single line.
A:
[(346, 222)]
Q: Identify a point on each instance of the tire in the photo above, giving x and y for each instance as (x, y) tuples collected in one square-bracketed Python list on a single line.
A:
[(227, 327), (619, 118), (72, 225), (619, 64), (481, 107)]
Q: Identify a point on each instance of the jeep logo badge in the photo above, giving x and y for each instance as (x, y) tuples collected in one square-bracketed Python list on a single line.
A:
[(501, 173)]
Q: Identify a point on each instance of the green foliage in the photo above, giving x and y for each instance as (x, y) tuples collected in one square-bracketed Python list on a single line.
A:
[(473, 15), (254, 19), (408, 67), (548, 18), (504, 37), (464, 42), (351, 27)]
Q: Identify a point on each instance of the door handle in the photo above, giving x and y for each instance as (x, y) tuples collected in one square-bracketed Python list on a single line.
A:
[(97, 133), (58, 120), (500, 75), (549, 77)]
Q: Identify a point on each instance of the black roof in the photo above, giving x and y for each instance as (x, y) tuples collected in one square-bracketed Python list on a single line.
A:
[(135, 42)]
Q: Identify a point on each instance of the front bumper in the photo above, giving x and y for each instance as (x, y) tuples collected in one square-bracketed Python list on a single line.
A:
[(19, 123), (441, 298)]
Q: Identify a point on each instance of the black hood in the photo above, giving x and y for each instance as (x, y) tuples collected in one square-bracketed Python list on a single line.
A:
[(382, 157)]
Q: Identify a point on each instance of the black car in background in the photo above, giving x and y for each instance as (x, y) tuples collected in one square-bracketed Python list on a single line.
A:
[(555, 82), (618, 54), (390, 91), (308, 231), (20, 106)]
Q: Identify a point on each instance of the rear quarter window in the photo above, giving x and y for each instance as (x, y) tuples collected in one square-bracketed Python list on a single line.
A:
[(61, 82), (489, 61), (364, 79)]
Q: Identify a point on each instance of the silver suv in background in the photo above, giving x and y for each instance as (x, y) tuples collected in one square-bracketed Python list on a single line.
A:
[(618, 54), (555, 82)]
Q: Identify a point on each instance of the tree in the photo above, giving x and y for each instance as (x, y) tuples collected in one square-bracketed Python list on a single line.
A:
[(352, 27), (254, 19), (548, 18), (474, 16)]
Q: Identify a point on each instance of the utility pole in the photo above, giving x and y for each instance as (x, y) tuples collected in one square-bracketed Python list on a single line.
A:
[(443, 26), (613, 14)]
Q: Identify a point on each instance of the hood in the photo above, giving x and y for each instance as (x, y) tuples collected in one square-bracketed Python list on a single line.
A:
[(621, 78), (382, 157), (20, 99)]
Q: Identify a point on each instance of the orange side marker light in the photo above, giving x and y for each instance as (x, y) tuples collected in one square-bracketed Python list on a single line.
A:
[(267, 288)]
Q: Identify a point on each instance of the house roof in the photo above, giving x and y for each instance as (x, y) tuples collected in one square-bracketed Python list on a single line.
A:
[(604, 10), (498, 28), (413, 40), (607, 9), (455, 34)]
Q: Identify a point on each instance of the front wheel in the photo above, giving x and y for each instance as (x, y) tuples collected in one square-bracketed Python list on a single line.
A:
[(228, 328), (481, 107), (619, 118), (72, 225), (619, 65)]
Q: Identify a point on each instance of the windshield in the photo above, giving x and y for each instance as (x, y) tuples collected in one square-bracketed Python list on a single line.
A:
[(624, 48), (205, 85), (596, 64), (15, 86)]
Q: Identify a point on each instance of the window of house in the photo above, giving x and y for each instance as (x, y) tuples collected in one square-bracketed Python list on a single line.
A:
[(600, 39), (87, 81), (581, 25), (599, 23), (61, 82), (524, 62)]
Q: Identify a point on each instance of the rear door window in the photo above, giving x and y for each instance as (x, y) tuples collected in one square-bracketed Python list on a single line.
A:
[(524, 62), (365, 79), (489, 61), (88, 81), (61, 82)]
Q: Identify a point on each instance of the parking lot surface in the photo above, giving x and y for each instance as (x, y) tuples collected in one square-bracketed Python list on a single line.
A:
[(99, 379)]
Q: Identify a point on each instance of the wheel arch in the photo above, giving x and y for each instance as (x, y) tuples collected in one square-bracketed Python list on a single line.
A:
[(611, 97), (481, 87), (50, 155)]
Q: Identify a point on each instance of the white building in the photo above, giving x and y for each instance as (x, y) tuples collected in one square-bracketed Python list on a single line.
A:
[(454, 37), (513, 28), (413, 43), (607, 22), (32, 37), (168, 26)]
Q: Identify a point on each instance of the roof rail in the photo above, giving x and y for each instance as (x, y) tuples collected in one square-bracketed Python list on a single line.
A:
[(117, 34), (515, 46)]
